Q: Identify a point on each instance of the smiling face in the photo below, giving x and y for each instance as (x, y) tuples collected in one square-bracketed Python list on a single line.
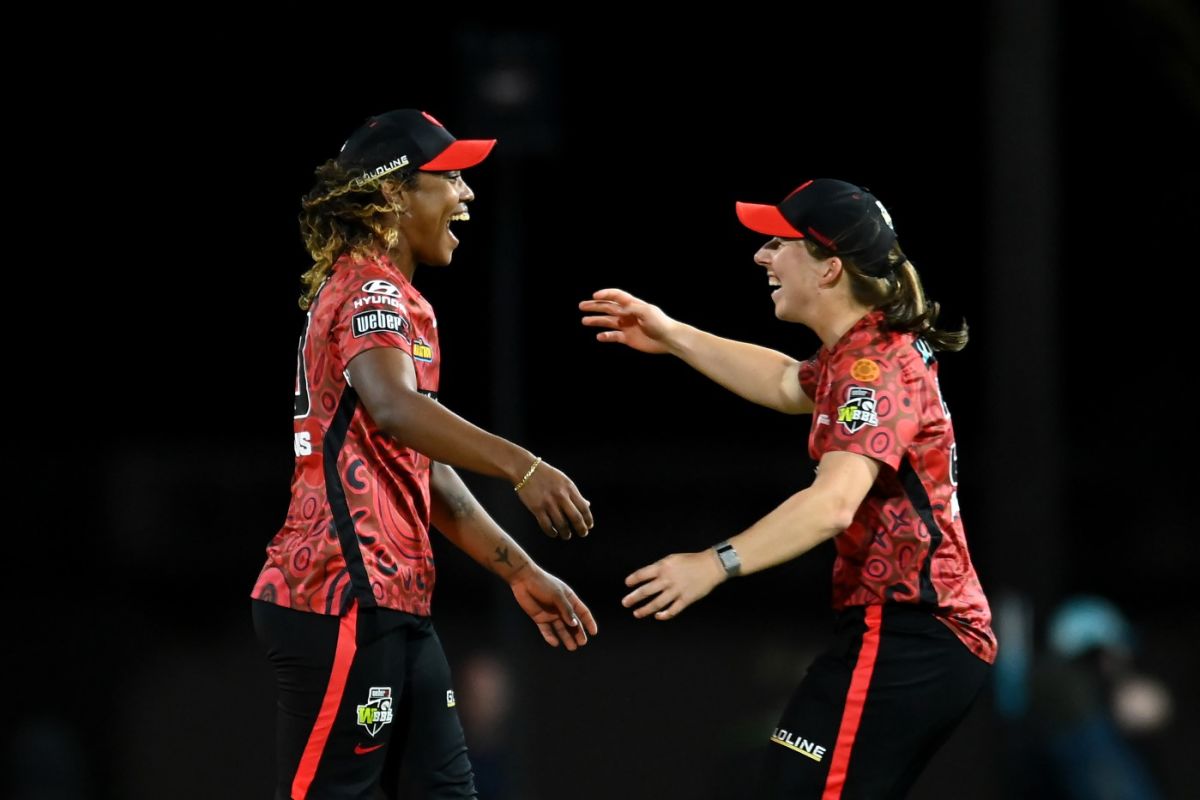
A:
[(796, 277), (426, 210)]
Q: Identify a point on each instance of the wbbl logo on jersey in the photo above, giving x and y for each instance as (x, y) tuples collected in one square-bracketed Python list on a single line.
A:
[(379, 321), (859, 409), (377, 711)]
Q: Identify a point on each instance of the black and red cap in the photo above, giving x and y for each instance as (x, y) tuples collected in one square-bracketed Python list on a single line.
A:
[(840, 216), (408, 137)]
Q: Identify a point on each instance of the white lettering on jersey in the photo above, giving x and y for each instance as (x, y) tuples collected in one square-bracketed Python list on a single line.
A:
[(379, 321), (377, 299)]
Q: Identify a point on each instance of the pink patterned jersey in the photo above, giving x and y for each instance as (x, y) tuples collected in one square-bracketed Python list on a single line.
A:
[(876, 393), (358, 523)]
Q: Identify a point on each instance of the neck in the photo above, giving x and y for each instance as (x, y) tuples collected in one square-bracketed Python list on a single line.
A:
[(406, 265), (838, 318), (401, 257)]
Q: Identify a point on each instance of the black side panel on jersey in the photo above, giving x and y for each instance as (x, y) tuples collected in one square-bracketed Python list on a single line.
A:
[(335, 439), (919, 498)]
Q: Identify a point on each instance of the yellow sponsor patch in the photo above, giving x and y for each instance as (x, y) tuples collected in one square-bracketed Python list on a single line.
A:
[(865, 370), (421, 351)]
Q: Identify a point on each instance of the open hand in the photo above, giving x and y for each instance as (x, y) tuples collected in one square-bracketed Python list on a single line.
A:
[(671, 584), (554, 607), (629, 320)]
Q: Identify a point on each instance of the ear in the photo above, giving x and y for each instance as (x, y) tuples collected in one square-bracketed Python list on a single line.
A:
[(396, 195), (831, 272)]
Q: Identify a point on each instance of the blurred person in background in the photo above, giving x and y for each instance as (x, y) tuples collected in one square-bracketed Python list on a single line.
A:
[(1087, 707), (487, 692)]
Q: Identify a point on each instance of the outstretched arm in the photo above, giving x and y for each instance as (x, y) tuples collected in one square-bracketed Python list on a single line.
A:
[(803, 521), (759, 374), (386, 382), (559, 614)]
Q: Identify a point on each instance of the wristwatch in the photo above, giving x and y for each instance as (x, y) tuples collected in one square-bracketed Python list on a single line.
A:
[(729, 558)]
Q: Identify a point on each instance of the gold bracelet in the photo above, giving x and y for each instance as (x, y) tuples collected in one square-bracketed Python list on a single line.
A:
[(528, 475)]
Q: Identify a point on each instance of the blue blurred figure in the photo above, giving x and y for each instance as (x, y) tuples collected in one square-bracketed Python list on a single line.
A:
[(1078, 705)]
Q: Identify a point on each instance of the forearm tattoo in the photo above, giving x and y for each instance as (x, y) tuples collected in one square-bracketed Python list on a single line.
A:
[(502, 556), (461, 506)]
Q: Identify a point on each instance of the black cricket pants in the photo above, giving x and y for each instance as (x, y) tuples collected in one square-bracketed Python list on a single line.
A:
[(873, 708), (365, 706)]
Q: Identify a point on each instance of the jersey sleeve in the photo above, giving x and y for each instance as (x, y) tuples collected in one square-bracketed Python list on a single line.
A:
[(369, 319), (810, 373), (871, 412)]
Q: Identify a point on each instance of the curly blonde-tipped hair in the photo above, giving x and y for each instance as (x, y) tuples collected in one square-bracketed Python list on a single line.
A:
[(341, 214)]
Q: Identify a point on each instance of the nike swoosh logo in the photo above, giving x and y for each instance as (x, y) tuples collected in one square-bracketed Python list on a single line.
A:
[(359, 749)]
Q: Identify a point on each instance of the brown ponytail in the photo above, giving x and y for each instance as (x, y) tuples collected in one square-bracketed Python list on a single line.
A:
[(900, 296)]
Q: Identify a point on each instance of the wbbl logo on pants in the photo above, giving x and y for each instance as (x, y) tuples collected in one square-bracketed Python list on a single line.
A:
[(377, 711)]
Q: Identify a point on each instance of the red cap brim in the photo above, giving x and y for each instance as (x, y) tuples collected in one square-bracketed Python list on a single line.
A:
[(766, 219), (460, 154)]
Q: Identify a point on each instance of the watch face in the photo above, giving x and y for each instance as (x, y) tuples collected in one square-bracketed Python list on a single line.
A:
[(729, 559)]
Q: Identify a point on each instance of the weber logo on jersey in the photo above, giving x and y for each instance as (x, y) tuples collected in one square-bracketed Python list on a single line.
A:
[(859, 409), (379, 321)]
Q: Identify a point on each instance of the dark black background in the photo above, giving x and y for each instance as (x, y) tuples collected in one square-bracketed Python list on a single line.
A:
[(162, 469)]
